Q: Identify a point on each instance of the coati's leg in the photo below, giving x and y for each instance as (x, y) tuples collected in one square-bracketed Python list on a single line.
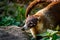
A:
[(34, 32)]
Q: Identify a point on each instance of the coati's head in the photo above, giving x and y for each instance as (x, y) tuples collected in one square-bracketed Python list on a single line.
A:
[(31, 22)]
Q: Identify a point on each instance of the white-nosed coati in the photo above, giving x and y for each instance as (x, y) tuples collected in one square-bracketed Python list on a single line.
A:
[(46, 18)]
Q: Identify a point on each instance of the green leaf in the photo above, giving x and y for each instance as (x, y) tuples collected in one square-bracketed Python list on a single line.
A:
[(51, 32), (45, 38)]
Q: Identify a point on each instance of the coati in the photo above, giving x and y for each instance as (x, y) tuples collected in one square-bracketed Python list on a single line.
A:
[(46, 18)]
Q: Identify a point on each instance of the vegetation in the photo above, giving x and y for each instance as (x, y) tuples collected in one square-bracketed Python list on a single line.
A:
[(11, 13)]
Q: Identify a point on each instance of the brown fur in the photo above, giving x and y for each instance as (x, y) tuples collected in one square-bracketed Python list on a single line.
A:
[(46, 18), (34, 3)]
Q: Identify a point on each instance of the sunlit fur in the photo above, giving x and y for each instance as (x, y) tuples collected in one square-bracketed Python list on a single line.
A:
[(48, 18)]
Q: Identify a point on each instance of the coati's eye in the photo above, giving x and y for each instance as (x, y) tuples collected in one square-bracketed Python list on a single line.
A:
[(31, 24)]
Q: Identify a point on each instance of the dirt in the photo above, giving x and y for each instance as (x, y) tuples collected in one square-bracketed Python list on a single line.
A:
[(13, 33)]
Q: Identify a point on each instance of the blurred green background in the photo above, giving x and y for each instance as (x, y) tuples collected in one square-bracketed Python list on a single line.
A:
[(12, 12)]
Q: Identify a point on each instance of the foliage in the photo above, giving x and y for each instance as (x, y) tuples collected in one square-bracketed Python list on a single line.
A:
[(49, 35), (11, 13)]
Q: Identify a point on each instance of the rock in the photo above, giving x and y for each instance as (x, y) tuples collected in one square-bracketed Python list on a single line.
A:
[(13, 33)]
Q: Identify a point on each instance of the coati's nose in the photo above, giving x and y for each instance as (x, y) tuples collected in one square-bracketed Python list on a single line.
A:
[(24, 27)]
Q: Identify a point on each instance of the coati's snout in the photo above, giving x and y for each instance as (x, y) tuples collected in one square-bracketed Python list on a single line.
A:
[(30, 22)]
